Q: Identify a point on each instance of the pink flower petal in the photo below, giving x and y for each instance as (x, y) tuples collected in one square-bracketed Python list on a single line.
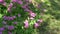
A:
[(36, 25)]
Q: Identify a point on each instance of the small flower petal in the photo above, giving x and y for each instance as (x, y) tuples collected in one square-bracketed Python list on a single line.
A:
[(36, 25), (2, 29), (26, 24), (0, 32), (10, 27)]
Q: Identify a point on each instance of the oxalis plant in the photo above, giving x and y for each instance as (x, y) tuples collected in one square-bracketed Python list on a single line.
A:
[(19, 16)]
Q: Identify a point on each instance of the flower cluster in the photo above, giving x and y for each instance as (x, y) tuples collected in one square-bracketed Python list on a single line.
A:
[(25, 6), (9, 18)]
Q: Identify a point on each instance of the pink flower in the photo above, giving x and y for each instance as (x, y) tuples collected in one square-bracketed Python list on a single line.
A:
[(30, 1), (20, 2), (31, 18), (40, 20), (11, 4), (1, 1), (32, 14), (9, 7), (26, 24), (36, 25), (4, 3)]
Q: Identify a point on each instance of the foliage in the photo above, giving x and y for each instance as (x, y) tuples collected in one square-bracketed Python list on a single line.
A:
[(29, 16)]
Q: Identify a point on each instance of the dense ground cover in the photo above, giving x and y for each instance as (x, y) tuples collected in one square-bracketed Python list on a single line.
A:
[(29, 16)]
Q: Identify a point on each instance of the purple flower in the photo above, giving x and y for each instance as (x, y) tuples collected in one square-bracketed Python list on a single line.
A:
[(5, 17), (4, 22), (10, 27), (11, 18), (19, 15), (14, 17), (0, 32), (8, 18), (9, 32), (15, 22), (26, 24), (25, 6), (2, 29), (36, 25)]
